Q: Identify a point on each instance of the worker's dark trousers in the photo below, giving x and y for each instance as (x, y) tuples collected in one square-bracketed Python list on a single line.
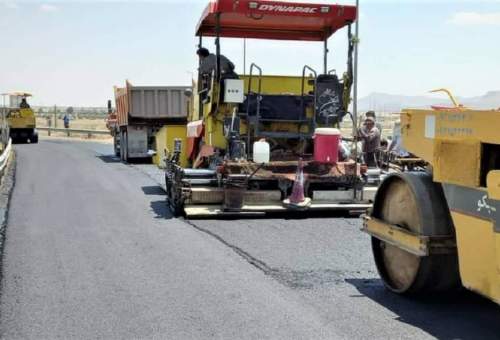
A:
[(371, 159)]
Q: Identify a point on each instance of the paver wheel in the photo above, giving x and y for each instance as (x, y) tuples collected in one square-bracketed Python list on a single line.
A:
[(173, 198)]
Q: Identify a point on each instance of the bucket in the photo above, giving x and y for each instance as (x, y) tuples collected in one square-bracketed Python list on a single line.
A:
[(326, 145), (234, 194)]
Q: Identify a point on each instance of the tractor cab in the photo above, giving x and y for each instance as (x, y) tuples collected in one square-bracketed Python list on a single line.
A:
[(286, 110)]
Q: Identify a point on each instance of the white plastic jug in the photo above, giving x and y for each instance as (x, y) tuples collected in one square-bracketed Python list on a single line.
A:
[(261, 152)]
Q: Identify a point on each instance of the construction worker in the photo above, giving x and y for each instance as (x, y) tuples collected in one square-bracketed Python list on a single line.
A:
[(24, 104), (373, 115), (66, 121), (370, 136), (208, 64)]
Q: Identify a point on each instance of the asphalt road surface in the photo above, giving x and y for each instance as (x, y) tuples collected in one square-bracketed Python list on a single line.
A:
[(92, 253)]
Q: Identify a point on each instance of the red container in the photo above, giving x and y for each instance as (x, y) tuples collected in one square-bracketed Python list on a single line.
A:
[(326, 145)]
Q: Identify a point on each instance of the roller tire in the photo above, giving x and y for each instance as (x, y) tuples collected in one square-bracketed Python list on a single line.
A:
[(34, 138), (414, 202)]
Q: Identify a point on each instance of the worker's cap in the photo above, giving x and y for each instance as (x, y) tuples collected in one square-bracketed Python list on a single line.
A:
[(203, 52), (369, 119)]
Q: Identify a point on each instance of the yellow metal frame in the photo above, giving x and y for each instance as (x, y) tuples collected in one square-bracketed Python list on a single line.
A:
[(21, 119), (493, 182), (397, 236), (165, 140), (419, 136), (418, 245), (214, 111)]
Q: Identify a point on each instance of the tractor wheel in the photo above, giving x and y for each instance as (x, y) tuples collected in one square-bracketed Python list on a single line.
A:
[(413, 202)]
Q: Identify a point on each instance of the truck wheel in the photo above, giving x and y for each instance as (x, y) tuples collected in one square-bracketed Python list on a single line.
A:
[(121, 148), (116, 146), (124, 146), (413, 202)]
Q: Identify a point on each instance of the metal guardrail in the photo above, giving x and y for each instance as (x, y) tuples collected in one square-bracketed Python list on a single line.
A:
[(5, 156), (89, 133)]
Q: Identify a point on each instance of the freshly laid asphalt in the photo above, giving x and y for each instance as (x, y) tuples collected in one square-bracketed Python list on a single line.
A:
[(92, 252)]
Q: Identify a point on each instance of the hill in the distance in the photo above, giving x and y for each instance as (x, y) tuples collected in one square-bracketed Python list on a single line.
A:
[(383, 102)]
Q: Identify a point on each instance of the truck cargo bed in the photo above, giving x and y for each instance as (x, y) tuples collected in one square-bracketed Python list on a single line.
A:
[(146, 104)]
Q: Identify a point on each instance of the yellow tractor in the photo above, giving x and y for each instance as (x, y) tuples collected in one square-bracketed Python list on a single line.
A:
[(439, 228), (257, 142), (20, 117)]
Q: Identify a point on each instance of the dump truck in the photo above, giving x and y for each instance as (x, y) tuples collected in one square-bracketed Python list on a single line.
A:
[(20, 117), (251, 141), (438, 228), (140, 112)]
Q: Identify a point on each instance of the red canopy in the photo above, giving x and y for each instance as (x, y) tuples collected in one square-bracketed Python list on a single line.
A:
[(274, 19)]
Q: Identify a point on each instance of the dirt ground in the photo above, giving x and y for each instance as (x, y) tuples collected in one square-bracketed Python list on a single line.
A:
[(78, 124), (79, 138), (387, 122), (83, 124)]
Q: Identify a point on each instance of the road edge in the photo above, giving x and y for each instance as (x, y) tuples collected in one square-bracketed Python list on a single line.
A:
[(6, 188)]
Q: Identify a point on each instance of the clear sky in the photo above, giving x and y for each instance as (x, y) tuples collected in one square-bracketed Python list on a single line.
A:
[(72, 53)]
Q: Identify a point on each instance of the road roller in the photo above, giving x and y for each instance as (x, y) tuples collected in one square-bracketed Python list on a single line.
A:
[(20, 117), (438, 228)]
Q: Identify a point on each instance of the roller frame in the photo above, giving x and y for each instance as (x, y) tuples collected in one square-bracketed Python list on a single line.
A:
[(418, 245)]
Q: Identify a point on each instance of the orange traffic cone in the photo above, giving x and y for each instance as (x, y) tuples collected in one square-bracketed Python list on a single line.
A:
[(298, 200), (298, 186)]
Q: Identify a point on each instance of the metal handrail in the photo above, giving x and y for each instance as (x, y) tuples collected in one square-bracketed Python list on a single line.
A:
[(250, 77), (307, 67)]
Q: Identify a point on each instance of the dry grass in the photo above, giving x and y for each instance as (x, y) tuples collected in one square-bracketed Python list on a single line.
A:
[(79, 124), (387, 121)]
